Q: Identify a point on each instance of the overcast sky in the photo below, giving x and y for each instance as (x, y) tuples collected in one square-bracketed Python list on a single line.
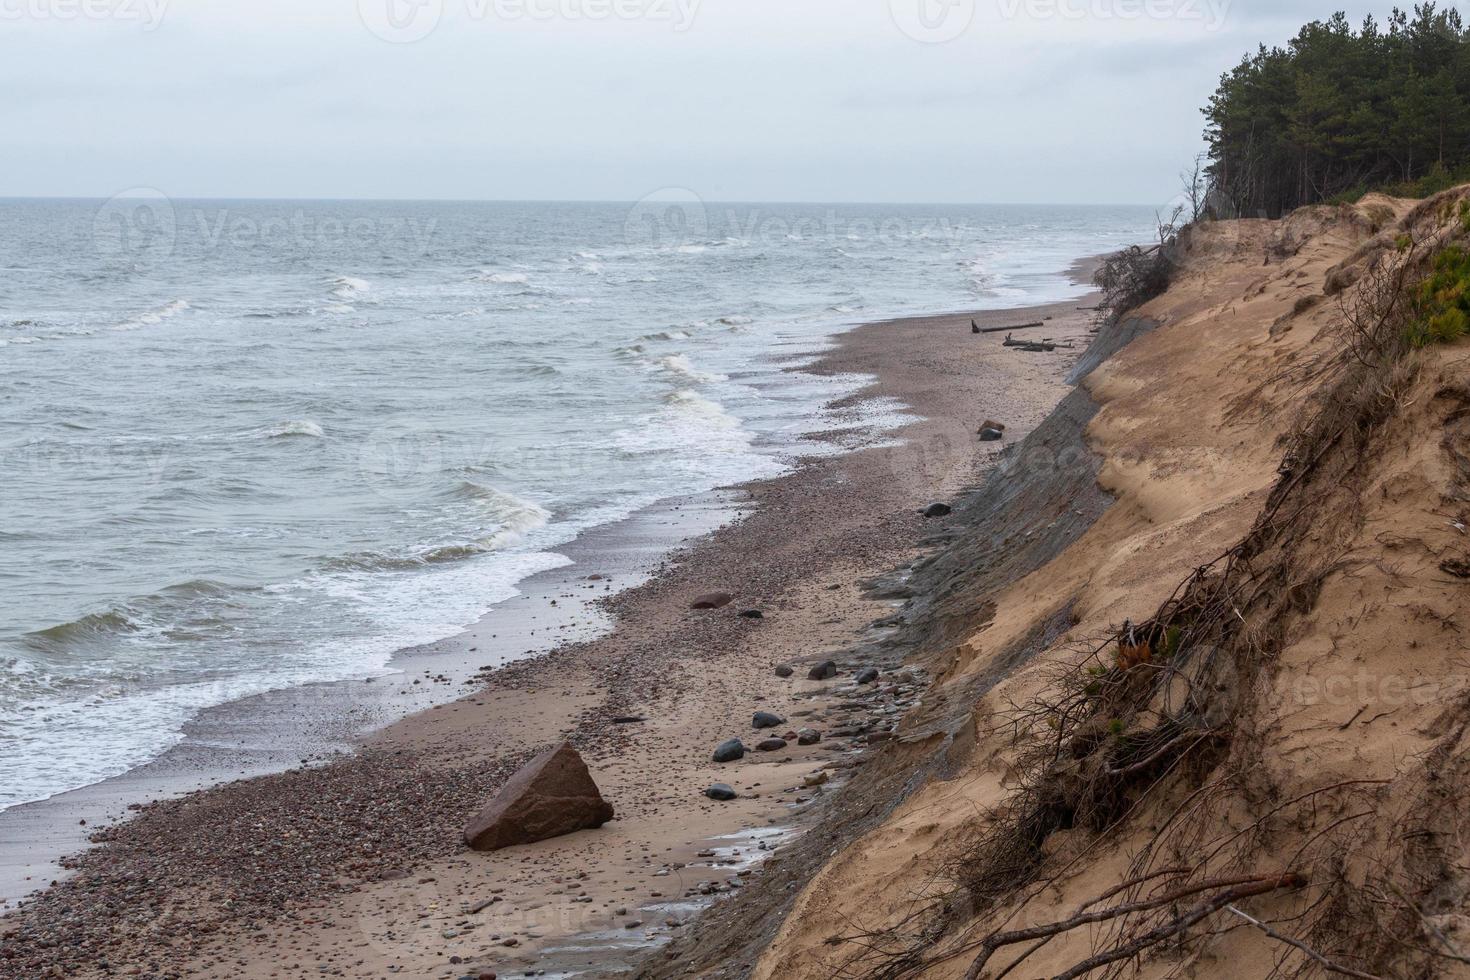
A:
[(1077, 101)]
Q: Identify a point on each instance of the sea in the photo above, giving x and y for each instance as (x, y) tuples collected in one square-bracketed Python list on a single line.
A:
[(249, 445)]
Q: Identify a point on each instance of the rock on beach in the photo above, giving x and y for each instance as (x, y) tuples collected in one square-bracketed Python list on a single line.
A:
[(551, 796)]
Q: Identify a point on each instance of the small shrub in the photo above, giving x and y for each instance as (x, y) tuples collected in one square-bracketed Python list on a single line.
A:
[(1132, 277), (1442, 302)]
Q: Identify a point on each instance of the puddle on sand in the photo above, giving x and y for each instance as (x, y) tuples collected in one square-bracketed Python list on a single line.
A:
[(617, 950)]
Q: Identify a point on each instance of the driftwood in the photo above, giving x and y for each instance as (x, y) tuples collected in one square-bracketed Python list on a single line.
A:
[(1013, 342), (1031, 347), (1019, 326)]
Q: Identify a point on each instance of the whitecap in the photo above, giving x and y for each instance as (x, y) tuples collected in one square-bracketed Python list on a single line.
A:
[(289, 428), (348, 287), (680, 366), (153, 317), (707, 410)]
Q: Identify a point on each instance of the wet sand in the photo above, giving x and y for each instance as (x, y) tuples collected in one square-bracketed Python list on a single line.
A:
[(352, 866)]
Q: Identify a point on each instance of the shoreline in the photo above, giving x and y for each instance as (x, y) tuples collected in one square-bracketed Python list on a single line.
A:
[(274, 731), (939, 459)]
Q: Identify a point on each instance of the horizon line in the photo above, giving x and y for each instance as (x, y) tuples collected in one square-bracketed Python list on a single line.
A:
[(548, 200)]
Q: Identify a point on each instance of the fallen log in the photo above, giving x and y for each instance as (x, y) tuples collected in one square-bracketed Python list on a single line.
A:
[(1019, 326)]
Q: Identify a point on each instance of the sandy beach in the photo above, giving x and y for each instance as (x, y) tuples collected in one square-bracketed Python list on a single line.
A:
[(349, 863)]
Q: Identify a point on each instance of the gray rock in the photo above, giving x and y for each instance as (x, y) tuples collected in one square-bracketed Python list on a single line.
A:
[(784, 670), (712, 600), (721, 792), (869, 676), (808, 736), (824, 671), (764, 719), (730, 751), (771, 745), (938, 510), (991, 435), (752, 614)]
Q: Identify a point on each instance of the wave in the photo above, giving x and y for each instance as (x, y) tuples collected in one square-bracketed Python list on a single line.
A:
[(154, 317), (666, 335), (679, 366), (288, 429), (348, 287), (275, 314), (503, 278), (693, 403), (511, 517), (469, 314), (150, 615), (109, 623)]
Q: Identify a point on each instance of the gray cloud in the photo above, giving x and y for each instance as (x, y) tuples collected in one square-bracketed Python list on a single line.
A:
[(755, 99)]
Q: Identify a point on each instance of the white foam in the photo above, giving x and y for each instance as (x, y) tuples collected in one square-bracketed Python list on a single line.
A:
[(154, 317), (107, 730), (680, 367), (348, 287), (289, 428)]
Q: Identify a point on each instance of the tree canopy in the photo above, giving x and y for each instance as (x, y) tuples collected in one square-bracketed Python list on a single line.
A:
[(1340, 111)]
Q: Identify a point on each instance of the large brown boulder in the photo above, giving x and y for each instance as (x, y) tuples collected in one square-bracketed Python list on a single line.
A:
[(551, 796)]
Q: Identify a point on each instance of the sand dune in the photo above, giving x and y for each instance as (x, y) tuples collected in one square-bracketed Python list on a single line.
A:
[(1291, 521)]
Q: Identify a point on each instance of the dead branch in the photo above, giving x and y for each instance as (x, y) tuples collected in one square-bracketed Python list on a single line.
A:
[(1235, 889), (1320, 960)]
